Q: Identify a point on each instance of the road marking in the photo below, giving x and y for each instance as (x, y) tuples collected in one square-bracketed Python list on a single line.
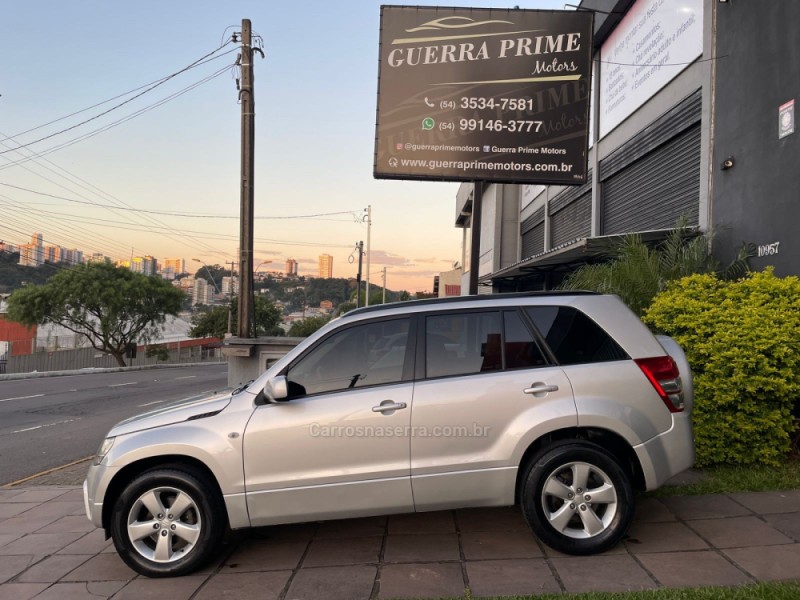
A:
[(187, 377), (121, 384), (47, 471), (45, 425), (22, 397), (150, 403)]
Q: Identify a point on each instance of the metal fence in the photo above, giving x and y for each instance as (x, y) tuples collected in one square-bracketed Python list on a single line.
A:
[(86, 358)]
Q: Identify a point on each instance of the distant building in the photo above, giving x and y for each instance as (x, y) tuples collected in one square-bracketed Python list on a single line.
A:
[(8, 248), (72, 256), (291, 267), (98, 257), (15, 339), (31, 255), (202, 292), (325, 266), (178, 265), (147, 265), (230, 285), (450, 283)]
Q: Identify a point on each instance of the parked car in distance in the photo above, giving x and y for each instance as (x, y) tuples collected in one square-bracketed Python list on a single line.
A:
[(563, 403)]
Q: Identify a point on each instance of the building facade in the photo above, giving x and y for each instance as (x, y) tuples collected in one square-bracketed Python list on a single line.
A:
[(692, 118), (177, 265), (291, 267), (325, 266)]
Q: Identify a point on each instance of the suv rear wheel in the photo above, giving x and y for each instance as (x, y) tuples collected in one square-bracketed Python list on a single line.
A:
[(167, 522), (577, 499)]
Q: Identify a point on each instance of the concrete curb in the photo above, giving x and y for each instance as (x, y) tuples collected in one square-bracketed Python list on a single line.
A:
[(92, 370)]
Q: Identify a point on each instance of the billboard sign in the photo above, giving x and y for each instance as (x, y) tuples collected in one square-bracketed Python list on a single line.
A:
[(468, 94), (653, 44)]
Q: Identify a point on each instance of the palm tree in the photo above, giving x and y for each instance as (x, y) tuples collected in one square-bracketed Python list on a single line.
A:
[(637, 272)]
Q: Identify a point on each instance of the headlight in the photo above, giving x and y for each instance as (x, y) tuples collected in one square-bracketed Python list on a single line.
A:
[(103, 450)]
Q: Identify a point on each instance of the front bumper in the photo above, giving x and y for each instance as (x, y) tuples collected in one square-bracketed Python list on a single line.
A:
[(94, 490)]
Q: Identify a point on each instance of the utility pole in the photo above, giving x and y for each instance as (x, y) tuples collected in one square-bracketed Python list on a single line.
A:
[(245, 316), (360, 247), (384, 286), (369, 231), (230, 300)]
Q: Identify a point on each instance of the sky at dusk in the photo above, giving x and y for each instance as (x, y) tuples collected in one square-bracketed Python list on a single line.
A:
[(176, 148)]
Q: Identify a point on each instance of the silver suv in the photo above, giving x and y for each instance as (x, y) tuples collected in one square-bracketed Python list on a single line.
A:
[(561, 403)]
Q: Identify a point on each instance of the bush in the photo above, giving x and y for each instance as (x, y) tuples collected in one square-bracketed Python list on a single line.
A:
[(742, 339)]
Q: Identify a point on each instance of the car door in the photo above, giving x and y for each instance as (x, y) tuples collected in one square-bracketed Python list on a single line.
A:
[(485, 392), (338, 447)]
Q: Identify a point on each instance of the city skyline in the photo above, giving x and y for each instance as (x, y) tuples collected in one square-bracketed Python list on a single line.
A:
[(160, 175)]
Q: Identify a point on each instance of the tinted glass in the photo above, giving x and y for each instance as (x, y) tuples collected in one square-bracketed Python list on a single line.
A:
[(573, 337), (355, 357), (521, 349), (461, 344)]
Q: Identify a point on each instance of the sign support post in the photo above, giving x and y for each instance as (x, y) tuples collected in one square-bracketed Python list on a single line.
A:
[(475, 241)]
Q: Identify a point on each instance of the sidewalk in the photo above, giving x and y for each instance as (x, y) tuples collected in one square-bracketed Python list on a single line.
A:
[(50, 551)]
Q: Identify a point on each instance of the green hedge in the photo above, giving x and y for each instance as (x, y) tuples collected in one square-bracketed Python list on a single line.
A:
[(742, 339)]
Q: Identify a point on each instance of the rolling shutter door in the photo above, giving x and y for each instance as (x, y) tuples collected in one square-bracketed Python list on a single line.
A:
[(532, 233), (654, 191), (654, 178), (571, 214), (573, 221)]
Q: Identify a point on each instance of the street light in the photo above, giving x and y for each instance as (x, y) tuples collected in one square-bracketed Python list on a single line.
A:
[(214, 283)]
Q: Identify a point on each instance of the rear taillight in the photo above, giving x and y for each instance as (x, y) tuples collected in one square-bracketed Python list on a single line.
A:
[(663, 373)]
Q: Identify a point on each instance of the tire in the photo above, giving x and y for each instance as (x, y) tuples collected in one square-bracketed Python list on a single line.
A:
[(576, 522), (155, 539)]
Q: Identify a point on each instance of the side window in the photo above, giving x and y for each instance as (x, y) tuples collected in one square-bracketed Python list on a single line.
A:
[(521, 349), (355, 357), (573, 337), (462, 344)]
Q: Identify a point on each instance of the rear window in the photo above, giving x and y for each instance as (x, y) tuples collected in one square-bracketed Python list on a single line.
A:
[(573, 337)]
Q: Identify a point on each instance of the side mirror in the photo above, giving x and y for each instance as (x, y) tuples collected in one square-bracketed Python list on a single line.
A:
[(276, 390)]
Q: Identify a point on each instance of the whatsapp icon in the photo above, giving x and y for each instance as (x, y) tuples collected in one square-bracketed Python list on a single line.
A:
[(428, 123)]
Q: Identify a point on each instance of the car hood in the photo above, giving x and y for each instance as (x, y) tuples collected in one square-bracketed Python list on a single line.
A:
[(174, 412)]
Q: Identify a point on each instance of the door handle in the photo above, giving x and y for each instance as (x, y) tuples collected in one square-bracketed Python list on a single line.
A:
[(540, 389), (388, 405)]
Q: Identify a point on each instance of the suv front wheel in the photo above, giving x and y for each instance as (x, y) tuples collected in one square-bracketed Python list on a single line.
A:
[(577, 499), (167, 522)]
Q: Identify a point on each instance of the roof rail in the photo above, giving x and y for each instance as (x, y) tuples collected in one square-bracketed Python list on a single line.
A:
[(472, 298)]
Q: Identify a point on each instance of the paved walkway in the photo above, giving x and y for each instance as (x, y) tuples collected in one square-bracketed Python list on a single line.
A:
[(49, 551)]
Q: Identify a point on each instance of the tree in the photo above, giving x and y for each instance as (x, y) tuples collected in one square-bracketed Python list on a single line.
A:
[(110, 307), (307, 326), (214, 322), (637, 272)]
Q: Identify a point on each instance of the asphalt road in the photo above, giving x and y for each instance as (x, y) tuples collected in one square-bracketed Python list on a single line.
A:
[(51, 421)]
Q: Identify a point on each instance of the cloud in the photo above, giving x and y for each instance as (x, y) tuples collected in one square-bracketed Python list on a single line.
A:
[(379, 257), (433, 260)]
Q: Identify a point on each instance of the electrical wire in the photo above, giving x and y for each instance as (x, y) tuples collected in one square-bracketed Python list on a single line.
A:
[(112, 124), (121, 104), (175, 214)]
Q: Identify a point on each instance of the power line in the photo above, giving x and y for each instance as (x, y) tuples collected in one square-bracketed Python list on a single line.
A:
[(116, 106), (113, 124), (185, 233), (122, 95), (170, 213)]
